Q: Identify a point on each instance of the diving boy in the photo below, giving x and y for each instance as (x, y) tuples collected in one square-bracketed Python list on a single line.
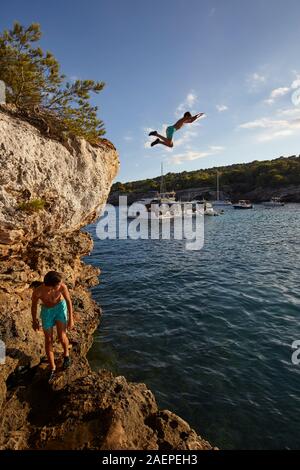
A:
[(168, 141), (56, 310)]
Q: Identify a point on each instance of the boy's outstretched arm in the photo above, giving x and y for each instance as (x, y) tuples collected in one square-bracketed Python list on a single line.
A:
[(66, 294), (193, 118), (34, 304)]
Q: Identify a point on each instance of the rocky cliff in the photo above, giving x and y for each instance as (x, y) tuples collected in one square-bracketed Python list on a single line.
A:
[(49, 190)]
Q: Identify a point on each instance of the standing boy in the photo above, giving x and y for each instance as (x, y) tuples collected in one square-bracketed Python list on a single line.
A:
[(56, 310)]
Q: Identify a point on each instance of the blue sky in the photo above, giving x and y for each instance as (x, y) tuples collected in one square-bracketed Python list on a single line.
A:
[(237, 61)]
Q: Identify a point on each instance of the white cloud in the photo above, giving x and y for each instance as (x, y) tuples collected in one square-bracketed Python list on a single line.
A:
[(289, 112), (277, 93), (128, 138), (266, 137), (191, 99), (254, 81), (217, 148), (273, 128), (263, 123), (284, 90), (186, 135), (221, 107), (212, 11), (187, 104), (190, 155)]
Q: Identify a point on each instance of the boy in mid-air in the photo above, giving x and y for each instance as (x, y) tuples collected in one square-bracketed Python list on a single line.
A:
[(56, 310), (186, 119)]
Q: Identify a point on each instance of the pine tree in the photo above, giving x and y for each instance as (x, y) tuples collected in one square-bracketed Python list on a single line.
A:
[(33, 79)]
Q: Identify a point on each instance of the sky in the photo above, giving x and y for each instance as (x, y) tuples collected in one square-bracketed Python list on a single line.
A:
[(237, 61)]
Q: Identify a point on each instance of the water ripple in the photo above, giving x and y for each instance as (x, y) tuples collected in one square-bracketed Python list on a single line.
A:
[(210, 332)]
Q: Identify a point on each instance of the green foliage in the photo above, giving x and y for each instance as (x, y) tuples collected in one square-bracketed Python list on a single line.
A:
[(34, 205), (241, 177), (33, 79)]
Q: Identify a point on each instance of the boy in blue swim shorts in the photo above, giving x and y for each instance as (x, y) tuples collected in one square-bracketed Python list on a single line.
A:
[(56, 310), (168, 140)]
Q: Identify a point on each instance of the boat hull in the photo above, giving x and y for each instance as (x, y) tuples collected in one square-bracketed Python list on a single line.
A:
[(236, 206)]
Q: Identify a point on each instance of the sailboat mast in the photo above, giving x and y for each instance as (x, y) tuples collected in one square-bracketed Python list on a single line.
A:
[(162, 183)]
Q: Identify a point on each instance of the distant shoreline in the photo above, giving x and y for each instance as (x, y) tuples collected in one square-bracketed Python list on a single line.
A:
[(257, 181), (259, 195)]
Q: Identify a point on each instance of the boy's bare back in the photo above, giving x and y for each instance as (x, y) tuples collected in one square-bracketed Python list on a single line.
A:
[(186, 120)]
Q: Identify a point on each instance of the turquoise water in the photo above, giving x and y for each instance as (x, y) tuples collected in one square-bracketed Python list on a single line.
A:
[(210, 331)]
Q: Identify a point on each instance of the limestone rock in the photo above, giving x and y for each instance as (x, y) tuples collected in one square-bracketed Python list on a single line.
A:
[(46, 186)]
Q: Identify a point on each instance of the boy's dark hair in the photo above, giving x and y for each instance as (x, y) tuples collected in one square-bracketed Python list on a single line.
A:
[(52, 278), (187, 114)]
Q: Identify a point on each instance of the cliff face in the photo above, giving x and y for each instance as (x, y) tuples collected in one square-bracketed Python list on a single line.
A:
[(49, 190), (71, 182)]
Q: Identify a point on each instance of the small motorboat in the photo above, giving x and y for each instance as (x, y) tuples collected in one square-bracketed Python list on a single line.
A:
[(275, 202), (243, 204), (209, 210)]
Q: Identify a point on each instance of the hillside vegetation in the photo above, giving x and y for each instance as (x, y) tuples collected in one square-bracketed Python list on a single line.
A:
[(244, 177)]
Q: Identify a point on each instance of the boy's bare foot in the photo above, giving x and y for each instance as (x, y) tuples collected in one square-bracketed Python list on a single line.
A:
[(155, 142), (153, 133)]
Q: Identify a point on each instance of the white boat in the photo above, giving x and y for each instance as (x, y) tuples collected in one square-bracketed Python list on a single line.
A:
[(155, 211), (166, 197), (243, 204), (202, 207), (209, 210), (275, 202), (218, 202)]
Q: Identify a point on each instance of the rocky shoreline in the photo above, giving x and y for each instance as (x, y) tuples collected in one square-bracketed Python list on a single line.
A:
[(290, 193), (49, 191)]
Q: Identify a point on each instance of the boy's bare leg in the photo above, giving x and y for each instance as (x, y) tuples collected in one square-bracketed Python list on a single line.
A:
[(162, 140), (165, 140), (157, 141), (49, 347), (62, 336)]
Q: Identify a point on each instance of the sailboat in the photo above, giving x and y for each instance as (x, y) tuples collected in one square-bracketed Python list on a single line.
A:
[(164, 197), (162, 206), (219, 202)]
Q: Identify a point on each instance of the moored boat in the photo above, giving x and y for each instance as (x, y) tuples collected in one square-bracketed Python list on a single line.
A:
[(243, 204), (219, 202), (274, 202)]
